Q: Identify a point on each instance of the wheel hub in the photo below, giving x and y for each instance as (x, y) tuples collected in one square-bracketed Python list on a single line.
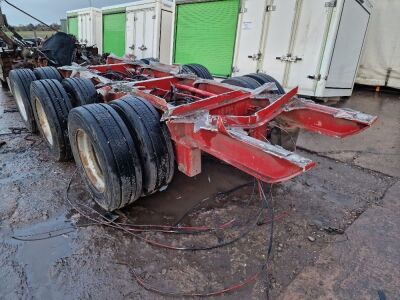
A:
[(89, 159), (20, 104), (43, 122)]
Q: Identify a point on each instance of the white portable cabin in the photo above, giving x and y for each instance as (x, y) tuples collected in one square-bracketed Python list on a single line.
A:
[(313, 44), (380, 63), (86, 25), (148, 29)]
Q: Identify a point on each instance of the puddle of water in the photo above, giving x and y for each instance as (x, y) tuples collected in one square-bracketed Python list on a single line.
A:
[(39, 256)]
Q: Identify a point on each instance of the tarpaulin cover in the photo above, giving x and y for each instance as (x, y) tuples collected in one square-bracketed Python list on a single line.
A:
[(60, 49), (381, 59)]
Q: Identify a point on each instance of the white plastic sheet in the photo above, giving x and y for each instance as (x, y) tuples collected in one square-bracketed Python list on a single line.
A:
[(381, 58)]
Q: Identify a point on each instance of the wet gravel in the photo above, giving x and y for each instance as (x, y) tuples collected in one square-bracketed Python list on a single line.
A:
[(98, 262)]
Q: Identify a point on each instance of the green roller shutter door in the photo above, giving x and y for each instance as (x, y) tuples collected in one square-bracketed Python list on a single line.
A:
[(114, 33), (73, 26), (205, 33)]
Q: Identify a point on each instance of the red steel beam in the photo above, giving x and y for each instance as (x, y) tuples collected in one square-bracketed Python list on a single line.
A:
[(209, 103), (259, 159), (260, 117), (119, 67), (227, 116), (330, 121), (193, 90)]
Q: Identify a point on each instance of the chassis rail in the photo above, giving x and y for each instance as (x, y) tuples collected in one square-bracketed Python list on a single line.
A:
[(225, 121)]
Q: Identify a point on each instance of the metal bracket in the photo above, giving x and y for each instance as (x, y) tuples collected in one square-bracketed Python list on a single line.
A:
[(255, 56), (332, 3), (271, 8), (313, 77), (289, 58)]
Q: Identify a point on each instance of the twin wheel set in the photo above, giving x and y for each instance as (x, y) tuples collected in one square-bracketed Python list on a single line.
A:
[(122, 147)]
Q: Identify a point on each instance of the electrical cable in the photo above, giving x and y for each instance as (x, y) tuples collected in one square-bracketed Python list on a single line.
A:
[(147, 286), (269, 249), (23, 239), (140, 228), (216, 195), (155, 228), (231, 288), (155, 242)]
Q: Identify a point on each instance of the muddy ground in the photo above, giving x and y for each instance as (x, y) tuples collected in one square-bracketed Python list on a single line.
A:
[(316, 214)]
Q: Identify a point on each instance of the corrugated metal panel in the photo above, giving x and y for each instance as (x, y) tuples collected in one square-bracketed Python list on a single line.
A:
[(73, 26), (114, 33), (205, 34)]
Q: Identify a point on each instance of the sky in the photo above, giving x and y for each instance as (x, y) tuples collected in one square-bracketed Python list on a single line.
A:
[(49, 11)]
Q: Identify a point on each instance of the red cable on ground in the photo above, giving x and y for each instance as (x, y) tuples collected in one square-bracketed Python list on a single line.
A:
[(231, 288)]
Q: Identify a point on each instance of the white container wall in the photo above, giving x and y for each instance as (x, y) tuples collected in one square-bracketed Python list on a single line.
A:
[(149, 29), (315, 45), (380, 63), (89, 26)]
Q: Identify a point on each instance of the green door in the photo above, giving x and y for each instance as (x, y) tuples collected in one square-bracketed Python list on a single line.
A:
[(205, 33), (114, 33), (73, 26)]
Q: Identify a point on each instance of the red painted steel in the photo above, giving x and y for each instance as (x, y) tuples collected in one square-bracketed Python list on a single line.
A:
[(228, 122)]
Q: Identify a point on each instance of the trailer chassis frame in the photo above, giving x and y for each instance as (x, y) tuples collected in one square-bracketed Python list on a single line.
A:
[(228, 122)]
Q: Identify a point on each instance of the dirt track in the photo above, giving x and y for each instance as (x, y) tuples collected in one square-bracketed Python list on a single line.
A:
[(96, 262)]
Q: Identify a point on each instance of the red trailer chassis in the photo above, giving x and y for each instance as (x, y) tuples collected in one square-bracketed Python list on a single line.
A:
[(228, 122)]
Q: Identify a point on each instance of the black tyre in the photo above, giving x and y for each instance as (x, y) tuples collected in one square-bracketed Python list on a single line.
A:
[(199, 70), (285, 138), (147, 60), (51, 106), (4, 84), (245, 82), (277, 136), (186, 70), (81, 91), (105, 154), (20, 81), (152, 141), (264, 78), (47, 73)]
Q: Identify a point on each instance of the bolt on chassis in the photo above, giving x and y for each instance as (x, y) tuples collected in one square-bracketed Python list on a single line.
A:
[(128, 124)]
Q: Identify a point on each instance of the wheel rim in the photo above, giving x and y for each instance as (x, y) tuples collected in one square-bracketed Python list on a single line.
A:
[(89, 159), (43, 122), (20, 103)]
